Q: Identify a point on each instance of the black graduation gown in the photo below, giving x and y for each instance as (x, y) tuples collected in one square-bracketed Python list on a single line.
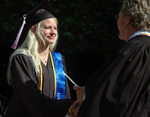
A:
[(121, 88), (27, 101)]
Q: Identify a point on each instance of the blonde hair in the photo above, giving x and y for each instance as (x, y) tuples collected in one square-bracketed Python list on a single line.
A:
[(30, 48)]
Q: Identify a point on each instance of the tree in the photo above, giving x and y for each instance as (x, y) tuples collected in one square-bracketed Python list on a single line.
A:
[(87, 32)]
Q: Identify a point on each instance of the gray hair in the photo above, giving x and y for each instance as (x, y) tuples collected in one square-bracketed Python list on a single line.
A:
[(139, 10)]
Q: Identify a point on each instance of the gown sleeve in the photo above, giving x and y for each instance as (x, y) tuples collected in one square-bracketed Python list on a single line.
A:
[(26, 88), (68, 96), (121, 88)]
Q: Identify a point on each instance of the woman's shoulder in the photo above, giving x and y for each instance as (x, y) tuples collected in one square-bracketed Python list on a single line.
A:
[(22, 58)]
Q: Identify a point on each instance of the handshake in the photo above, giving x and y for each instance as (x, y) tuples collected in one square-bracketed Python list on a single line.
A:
[(80, 93)]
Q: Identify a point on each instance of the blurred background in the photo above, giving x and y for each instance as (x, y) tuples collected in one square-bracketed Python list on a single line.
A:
[(88, 35)]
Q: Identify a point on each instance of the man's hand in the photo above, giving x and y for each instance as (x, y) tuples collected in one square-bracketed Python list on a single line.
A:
[(80, 92)]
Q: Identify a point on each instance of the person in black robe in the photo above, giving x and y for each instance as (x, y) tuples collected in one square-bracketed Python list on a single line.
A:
[(35, 70), (121, 87)]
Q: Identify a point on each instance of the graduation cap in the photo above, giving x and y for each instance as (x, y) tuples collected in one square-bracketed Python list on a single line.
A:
[(41, 12)]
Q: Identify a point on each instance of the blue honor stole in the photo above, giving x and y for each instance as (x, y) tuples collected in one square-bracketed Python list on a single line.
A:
[(60, 77)]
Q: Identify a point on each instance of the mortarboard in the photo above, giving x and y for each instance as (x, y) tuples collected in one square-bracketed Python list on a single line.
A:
[(39, 13)]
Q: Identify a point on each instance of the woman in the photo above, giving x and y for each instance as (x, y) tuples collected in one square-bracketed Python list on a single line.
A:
[(36, 71)]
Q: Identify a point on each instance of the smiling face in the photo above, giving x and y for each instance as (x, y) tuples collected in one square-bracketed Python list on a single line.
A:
[(49, 30)]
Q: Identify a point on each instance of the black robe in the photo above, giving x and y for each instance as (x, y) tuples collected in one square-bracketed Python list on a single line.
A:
[(121, 88), (27, 100)]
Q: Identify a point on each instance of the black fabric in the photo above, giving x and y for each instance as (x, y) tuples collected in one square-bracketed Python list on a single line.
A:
[(39, 13), (121, 88), (3, 105), (27, 101)]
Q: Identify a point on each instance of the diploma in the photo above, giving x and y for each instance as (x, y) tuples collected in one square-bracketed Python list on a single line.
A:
[(70, 79)]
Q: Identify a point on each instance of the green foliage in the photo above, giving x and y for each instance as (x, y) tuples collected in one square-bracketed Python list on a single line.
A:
[(87, 25), (83, 24)]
